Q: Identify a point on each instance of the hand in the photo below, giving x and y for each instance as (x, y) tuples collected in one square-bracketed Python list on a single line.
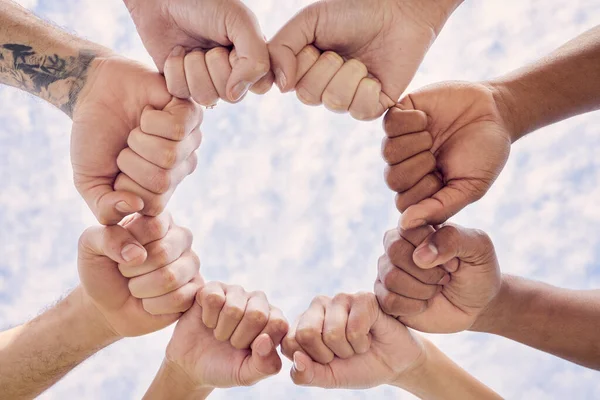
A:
[(389, 37), (348, 342), (468, 255), (446, 144), (140, 275), (228, 338), (204, 29), (161, 143)]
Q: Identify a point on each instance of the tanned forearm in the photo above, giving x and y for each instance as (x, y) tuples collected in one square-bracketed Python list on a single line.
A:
[(39, 353), (439, 378), (41, 59), (558, 321), (557, 87)]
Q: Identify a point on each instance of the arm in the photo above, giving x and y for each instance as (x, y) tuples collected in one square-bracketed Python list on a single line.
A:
[(169, 384), (563, 84), (41, 59), (37, 354), (439, 375), (558, 321)]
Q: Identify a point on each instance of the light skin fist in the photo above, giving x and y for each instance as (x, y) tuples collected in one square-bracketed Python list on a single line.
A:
[(366, 52), (190, 42), (445, 146), (348, 342), (107, 135), (228, 338), (141, 275), (473, 279)]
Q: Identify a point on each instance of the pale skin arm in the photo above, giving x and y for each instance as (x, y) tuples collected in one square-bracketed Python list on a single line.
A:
[(39, 353), (563, 84), (558, 321), (39, 58)]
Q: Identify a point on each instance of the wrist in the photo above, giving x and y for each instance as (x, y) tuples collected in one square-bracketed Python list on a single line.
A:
[(493, 314), (97, 324), (435, 12), (508, 108), (173, 382), (420, 370)]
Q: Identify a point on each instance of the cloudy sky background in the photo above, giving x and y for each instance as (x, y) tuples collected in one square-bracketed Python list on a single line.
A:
[(290, 200)]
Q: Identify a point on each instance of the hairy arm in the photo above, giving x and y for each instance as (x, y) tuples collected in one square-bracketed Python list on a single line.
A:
[(558, 321), (563, 84), (39, 58), (39, 353)]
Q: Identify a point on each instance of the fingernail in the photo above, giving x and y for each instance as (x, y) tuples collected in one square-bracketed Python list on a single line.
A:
[(427, 254), (445, 279), (131, 252), (298, 364), (177, 51), (240, 90), (263, 348), (280, 79), (124, 207)]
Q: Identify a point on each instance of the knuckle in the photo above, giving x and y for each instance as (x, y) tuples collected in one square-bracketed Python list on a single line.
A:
[(333, 58), (432, 276), (399, 252), (169, 158), (353, 334), (257, 318), (388, 303), (307, 335), (389, 279), (168, 278), (387, 150), (306, 97), (357, 66), (155, 206), (261, 67), (342, 298), (333, 102), (178, 130), (161, 253), (320, 299), (214, 301), (279, 325), (333, 336), (232, 312), (311, 52), (160, 182)]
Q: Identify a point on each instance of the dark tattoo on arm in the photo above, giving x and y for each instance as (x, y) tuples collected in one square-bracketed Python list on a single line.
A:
[(49, 76)]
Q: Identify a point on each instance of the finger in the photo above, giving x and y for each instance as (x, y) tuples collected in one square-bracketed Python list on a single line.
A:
[(161, 252), (231, 314), (426, 187), (310, 89), (253, 322), (398, 122), (369, 101), (309, 332), (199, 82), (177, 301), (289, 345), (212, 299), (217, 62), (363, 314), (398, 281), (445, 203), (340, 91), (153, 178), (108, 205), (174, 122), (262, 363), (396, 150), (334, 327), (277, 326), (253, 56), (405, 175), (397, 305), (453, 241), (175, 74), (164, 153), (148, 229), (306, 372), (166, 279), (263, 85), (305, 60), (113, 242), (288, 42)]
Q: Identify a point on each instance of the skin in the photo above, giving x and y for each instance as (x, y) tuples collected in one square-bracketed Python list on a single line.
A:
[(79, 78), (102, 309), (362, 71), (190, 42), (228, 338), (463, 131), (349, 342)]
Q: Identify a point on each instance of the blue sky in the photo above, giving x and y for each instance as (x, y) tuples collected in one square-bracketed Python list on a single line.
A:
[(290, 200)]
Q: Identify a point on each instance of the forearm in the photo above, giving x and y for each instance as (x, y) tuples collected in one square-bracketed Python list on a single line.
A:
[(559, 86), (173, 384), (440, 378), (558, 321), (37, 354), (41, 59)]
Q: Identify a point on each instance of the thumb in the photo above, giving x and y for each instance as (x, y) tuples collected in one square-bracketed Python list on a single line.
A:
[(263, 361), (252, 62), (288, 42), (452, 241), (110, 206), (438, 208), (306, 372), (114, 242)]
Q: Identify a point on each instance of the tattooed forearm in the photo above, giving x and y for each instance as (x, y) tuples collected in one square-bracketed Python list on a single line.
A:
[(49, 76)]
